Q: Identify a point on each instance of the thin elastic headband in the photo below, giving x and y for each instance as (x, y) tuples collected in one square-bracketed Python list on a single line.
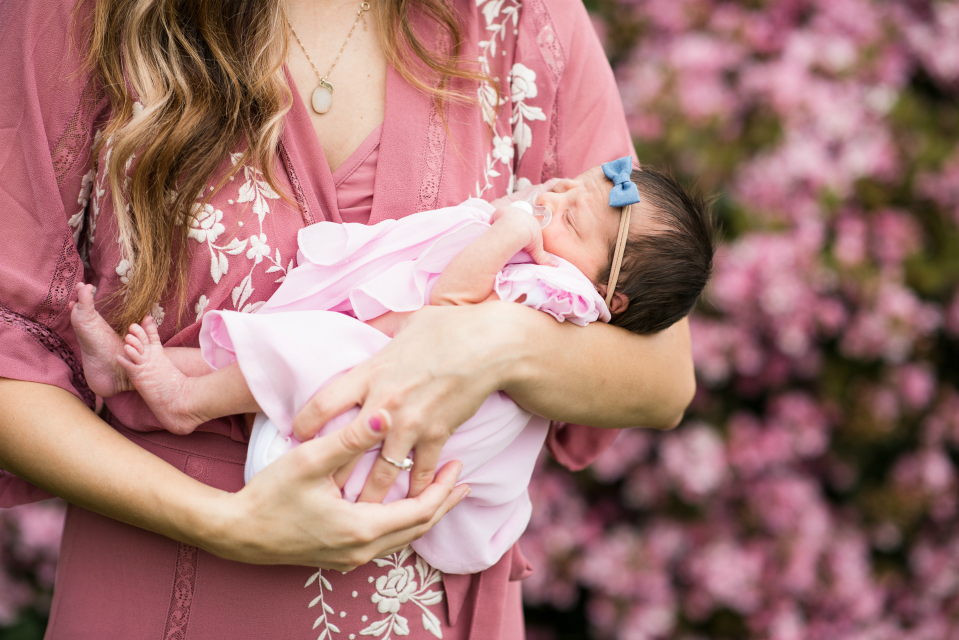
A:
[(618, 254), (623, 194)]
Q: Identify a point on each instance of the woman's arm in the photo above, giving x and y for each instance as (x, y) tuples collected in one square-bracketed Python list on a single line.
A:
[(292, 513), (445, 361)]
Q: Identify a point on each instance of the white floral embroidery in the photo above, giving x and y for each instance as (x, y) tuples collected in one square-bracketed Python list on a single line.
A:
[(523, 86), (201, 306), (206, 227), (158, 314), (399, 587), (328, 627), (125, 270), (83, 199), (507, 149)]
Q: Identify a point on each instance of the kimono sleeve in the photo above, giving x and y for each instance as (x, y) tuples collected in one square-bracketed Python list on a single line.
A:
[(590, 122), (47, 106), (588, 127)]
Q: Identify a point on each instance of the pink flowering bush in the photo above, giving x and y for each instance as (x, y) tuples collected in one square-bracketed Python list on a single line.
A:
[(812, 491), (29, 545)]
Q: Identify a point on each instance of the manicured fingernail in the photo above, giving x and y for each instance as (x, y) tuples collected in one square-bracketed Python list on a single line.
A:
[(375, 423)]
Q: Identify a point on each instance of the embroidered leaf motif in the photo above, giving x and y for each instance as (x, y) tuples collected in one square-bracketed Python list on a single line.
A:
[(242, 291), (236, 246), (432, 624), (314, 601), (327, 608), (312, 579), (324, 634), (430, 598), (400, 626), (382, 562), (333, 627), (326, 583), (377, 628)]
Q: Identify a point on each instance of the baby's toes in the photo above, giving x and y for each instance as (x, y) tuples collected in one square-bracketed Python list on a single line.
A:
[(134, 355), (134, 342), (85, 294), (141, 335), (150, 326)]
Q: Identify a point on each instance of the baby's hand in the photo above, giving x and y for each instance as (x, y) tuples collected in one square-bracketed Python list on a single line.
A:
[(526, 229)]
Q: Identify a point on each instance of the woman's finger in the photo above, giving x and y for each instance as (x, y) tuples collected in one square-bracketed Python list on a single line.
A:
[(401, 539), (381, 420), (339, 396), (384, 473), (324, 456), (400, 522), (424, 470)]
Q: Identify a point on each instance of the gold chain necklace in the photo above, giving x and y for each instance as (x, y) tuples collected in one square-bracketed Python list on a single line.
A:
[(323, 94)]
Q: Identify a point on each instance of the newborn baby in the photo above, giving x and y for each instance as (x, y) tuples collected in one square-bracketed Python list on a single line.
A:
[(630, 247)]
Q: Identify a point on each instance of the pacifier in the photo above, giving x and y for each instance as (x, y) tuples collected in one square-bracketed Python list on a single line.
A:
[(541, 213)]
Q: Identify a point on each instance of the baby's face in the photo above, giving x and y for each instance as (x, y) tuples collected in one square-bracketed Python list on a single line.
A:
[(584, 226)]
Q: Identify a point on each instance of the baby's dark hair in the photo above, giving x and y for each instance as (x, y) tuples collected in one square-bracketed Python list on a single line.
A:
[(664, 270)]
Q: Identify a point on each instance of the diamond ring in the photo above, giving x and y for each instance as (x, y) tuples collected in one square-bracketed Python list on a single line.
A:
[(406, 465)]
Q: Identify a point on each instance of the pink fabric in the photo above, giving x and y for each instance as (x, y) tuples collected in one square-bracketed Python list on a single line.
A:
[(295, 345), (354, 180), (118, 581)]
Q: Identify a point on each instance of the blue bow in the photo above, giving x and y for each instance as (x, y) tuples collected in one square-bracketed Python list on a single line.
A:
[(624, 192)]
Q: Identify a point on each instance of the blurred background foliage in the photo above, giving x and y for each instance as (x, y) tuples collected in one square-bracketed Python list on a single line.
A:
[(811, 492)]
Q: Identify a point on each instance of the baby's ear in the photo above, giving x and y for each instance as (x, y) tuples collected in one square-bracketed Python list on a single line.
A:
[(619, 302)]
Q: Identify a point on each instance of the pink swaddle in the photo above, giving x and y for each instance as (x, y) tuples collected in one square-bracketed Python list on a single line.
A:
[(306, 335)]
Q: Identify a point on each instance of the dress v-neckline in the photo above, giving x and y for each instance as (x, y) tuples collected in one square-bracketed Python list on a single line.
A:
[(310, 149)]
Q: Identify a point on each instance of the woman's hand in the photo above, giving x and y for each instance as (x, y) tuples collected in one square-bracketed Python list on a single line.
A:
[(320, 528), (432, 377), (291, 513)]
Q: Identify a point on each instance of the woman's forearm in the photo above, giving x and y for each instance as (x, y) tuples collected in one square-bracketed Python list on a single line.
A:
[(51, 439), (601, 375), (290, 513)]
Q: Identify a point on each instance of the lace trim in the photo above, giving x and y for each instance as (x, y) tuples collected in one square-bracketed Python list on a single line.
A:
[(53, 343), (187, 564), (75, 137), (298, 193), (184, 584), (551, 157), (546, 39), (435, 142), (61, 286)]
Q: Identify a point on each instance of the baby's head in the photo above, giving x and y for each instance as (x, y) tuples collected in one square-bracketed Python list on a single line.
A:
[(668, 255)]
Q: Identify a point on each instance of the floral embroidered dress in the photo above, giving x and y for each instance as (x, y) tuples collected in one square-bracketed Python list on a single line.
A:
[(559, 115)]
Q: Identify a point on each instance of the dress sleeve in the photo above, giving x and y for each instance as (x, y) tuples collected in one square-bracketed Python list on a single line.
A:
[(47, 109), (587, 127)]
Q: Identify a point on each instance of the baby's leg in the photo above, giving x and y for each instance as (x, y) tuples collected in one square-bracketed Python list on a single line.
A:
[(181, 402), (99, 346)]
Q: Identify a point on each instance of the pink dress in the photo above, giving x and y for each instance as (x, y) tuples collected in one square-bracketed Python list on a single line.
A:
[(560, 115), (312, 330)]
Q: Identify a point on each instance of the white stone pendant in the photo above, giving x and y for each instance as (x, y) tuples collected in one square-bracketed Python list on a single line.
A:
[(323, 97)]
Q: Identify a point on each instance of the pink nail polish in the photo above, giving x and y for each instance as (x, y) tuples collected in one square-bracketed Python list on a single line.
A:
[(375, 423)]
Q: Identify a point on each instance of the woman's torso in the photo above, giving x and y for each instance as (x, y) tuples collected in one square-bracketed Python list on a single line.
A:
[(118, 581)]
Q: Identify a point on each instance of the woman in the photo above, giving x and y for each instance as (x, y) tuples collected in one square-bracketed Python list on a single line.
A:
[(154, 540)]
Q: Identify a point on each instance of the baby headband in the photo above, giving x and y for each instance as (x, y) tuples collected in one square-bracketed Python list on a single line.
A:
[(623, 194)]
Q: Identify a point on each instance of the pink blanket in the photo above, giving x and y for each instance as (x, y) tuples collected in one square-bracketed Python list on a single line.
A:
[(311, 330)]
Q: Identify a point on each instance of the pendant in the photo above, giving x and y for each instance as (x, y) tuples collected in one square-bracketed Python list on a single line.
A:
[(323, 97)]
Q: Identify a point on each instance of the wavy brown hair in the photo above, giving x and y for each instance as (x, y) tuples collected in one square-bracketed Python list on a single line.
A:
[(209, 76)]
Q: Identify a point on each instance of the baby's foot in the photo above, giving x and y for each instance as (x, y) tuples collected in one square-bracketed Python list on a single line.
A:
[(164, 387), (99, 346)]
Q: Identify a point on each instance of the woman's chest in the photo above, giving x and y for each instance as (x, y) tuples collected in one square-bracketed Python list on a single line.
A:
[(237, 245)]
